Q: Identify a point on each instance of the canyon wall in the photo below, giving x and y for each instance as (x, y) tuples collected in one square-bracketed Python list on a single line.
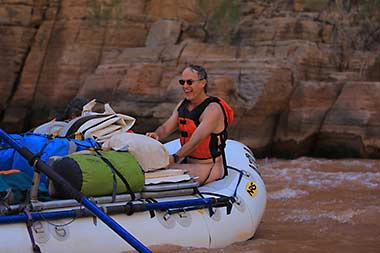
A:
[(302, 79)]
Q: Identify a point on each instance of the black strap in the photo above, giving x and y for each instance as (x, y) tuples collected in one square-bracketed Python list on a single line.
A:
[(214, 147), (114, 183), (194, 114), (151, 212), (210, 210), (33, 160), (223, 138), (129, 208), (209, 173), (39, 154), (229, 205), (80, 121), (110, 165), (219, 149), (222, 147)]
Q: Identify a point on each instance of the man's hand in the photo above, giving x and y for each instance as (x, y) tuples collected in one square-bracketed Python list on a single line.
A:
[(171, 160), (174, 158), (153, 135)]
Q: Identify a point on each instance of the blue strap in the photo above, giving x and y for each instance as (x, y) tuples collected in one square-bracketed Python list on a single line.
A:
[(29, 223), (241, 173)]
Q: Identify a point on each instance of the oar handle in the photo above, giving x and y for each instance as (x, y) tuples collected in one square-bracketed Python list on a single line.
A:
[(77, 195)]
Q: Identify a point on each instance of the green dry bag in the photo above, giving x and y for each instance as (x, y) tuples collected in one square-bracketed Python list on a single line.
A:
[(95, 174)]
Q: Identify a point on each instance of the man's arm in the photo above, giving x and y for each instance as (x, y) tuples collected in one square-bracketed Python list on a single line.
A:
[(166, 128)]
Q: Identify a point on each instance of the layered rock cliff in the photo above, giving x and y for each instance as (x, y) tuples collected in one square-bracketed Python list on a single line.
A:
[(301, 75)]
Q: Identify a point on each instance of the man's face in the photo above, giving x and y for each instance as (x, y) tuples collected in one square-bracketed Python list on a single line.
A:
[(192, 86)]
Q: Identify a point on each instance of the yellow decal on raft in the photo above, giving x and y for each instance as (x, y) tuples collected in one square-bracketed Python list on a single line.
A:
[(251, 188)]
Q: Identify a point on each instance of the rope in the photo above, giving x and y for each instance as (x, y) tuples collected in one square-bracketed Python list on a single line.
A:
[(57, 225)]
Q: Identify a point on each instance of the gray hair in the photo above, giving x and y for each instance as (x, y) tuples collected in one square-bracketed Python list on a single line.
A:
[(202, 74)]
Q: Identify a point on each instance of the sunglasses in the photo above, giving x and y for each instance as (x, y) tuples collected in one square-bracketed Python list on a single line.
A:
[(189, 81)]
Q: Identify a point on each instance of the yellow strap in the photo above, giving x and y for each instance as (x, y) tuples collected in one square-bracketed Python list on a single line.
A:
[(79, 136)]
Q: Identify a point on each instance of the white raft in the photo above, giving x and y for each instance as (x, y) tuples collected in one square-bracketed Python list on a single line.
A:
[(187, 228)]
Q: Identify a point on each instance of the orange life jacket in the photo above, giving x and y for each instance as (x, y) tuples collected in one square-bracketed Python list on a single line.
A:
[(189, 120)]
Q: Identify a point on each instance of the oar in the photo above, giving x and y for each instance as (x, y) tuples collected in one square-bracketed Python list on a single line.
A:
[(77, 195)]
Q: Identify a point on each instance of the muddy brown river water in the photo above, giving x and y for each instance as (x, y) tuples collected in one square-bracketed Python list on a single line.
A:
[(315, 205)]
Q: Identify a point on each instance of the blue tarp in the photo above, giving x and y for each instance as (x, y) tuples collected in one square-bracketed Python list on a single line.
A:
[(14, 186), (43, 146)]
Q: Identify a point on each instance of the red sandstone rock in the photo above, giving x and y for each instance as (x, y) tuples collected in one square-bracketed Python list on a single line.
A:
[(301, 82)]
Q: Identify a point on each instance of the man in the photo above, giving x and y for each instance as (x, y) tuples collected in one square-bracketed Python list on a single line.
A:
[(202, 121)]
